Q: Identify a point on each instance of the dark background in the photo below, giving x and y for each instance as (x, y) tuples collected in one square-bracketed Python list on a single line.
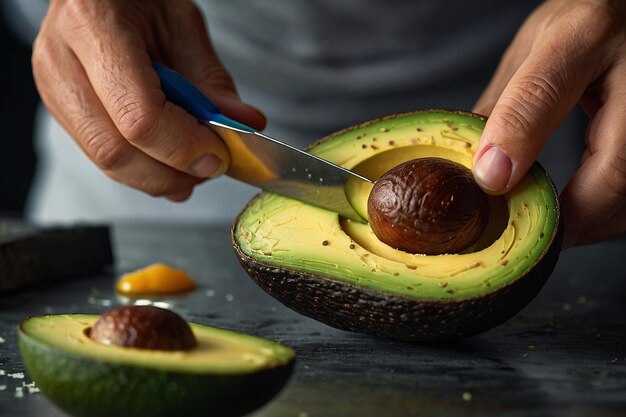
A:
[(18, 101)]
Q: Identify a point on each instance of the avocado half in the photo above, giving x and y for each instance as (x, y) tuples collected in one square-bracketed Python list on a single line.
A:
[(226, 374), (337, 271)]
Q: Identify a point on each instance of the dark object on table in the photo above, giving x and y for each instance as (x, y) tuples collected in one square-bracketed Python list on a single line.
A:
[(29, 254)]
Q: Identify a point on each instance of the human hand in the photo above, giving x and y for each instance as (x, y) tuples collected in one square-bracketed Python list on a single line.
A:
[(92, 67), (567, 51)]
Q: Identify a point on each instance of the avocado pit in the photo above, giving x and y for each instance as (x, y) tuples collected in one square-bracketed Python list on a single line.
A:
[(429, 206), (143, 327)]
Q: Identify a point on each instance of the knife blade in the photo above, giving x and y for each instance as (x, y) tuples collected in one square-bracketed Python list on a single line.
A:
[(263, 161)]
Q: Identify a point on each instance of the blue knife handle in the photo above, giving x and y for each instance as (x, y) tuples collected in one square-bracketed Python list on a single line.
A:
[(181, 92)]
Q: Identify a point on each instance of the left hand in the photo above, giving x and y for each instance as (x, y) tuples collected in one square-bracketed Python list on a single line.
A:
[(567, 51)]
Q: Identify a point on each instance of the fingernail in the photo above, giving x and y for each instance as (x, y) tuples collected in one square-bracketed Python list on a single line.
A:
[(207, 166), (493, 170)]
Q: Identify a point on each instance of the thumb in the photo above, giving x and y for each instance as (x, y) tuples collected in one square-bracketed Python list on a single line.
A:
[(536, 100), (529, 109)]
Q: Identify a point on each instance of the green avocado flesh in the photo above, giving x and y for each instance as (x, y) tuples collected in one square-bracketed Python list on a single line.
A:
[(276, 237), (226, 374)]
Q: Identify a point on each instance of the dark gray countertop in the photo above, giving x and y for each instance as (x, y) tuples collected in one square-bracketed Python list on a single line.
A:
[(563, 355)]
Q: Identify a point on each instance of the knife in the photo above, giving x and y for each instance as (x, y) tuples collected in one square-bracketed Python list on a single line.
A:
[(263, 161)]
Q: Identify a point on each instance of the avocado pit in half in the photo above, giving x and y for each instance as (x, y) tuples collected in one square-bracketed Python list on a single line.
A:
[(429, 206), (143, 327), (146, 361), (337, 271)]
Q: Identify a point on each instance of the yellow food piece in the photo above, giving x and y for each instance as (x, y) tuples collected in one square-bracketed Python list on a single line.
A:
[(157, 278)]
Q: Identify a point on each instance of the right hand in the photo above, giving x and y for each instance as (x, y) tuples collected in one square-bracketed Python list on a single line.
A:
[(567, 51), (92, 66)]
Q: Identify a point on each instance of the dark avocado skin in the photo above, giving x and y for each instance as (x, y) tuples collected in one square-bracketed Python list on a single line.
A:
[(358, 309), (95, 388)]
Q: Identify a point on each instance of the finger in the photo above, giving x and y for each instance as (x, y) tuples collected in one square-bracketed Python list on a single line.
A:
[(595, 196), (66, 91), (531, 106), (199, 62), (119, 69), (513, 57), (608, 230), (537, 99)]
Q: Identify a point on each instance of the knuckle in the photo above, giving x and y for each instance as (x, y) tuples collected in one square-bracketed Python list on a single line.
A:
[(153, 189), (43, 54), (540, 91), (168, 185), (38, 56), (221, 79), (512, 118), (190, 10), (593, 23), (79, 13), (616, 175), (176, 154), (215, 78), (104, 149), (532, 99), (136, 121), (187, 10), (594, 14)]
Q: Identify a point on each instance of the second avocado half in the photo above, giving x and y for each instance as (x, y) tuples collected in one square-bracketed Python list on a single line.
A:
[(338, 272), (224, 373)]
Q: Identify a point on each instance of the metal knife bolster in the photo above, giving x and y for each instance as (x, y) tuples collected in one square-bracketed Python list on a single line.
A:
[(267, 163)]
